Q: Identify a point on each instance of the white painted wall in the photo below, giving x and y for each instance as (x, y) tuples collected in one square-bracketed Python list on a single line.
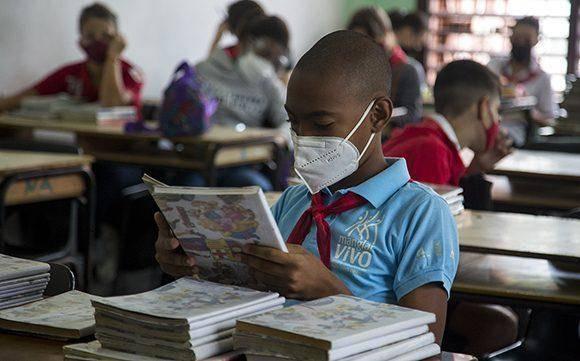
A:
[(37, 36)]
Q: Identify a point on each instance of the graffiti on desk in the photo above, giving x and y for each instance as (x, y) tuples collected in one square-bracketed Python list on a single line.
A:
[(37, 185)]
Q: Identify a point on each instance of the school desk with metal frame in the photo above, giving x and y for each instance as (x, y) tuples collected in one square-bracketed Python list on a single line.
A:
[(33, 177), (221, 147)]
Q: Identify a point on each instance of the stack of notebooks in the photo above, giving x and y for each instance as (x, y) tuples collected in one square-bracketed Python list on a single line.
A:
[(63, 107), (337, 328), (95, 114), (185, 320), (452, 195), (21, 281), (63, 317)]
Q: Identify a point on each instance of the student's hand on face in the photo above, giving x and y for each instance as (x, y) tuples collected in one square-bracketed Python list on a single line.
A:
[(502, 147), (169, 253), (116, 46), (297, 274)]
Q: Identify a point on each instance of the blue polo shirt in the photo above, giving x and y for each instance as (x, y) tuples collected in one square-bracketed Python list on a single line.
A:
[(403, 238)]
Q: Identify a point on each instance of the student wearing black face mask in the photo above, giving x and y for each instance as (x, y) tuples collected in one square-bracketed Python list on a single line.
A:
[(522, 70)]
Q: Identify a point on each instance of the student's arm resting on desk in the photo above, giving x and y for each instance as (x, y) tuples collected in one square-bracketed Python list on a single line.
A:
[(13, 101), (429, 256), (112, 90)]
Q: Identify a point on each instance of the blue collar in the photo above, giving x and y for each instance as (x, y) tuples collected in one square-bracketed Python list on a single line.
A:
[(378, 189)]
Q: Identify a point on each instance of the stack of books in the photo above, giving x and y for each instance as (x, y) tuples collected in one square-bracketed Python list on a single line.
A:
[(64, 108), (94, 351), (95, 114), (21, 281), (337, 328), (45, 107), (452, 195), (63, 317), (185, 320)]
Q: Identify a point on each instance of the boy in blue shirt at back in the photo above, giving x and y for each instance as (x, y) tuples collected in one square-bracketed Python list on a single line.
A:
[(359, 225)]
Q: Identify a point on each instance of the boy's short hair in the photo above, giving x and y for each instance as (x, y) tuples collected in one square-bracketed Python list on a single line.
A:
[(462, 83), (269, 27), (373, 20), (96, 10), (240, 12), (531, 21), (417, 21), (396, 17), (352, 58)]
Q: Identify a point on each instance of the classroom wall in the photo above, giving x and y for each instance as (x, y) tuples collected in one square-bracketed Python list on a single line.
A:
[(36, 36)]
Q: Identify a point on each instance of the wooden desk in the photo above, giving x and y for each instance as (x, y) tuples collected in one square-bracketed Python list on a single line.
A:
[(523, 235), (516, 279), (220, 147), (27, 348), (540, 165), (517, 194), (44, 186)]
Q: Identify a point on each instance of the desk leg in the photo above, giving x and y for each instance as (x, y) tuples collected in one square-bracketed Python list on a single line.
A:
[(281, 159)]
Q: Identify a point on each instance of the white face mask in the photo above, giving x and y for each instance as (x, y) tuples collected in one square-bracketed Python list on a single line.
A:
[(322, 161), (255, 68)]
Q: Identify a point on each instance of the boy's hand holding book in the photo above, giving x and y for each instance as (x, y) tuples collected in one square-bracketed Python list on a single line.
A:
[(297, 274), (169, 253)]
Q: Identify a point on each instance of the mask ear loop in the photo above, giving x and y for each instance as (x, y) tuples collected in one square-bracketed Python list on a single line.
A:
[(366, 147), (367, 111)]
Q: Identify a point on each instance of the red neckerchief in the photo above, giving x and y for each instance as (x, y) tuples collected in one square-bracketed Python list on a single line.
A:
[(398, 56), (511, 77), (233, 51), (318, 212)]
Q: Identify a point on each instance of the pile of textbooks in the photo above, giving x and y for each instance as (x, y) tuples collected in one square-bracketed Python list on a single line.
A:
[(66, 316), (337, 328), (21, 281), (184, 320), (452, 195)]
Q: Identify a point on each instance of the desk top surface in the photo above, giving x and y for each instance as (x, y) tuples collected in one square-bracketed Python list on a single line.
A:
[(21, 161), (540, 164), (216, 134), (518, 278), (521, 235), (26, 348)]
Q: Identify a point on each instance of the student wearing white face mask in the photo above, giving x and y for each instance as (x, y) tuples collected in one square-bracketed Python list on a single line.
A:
[(359, 225), (245, 80)]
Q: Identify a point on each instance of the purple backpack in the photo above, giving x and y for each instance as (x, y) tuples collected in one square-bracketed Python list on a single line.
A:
[(186, 110)]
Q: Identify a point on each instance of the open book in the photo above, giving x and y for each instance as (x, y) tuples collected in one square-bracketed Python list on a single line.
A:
[(213, 224)]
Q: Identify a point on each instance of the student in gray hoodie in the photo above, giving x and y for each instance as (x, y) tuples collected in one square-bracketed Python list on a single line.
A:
[(245, 80)]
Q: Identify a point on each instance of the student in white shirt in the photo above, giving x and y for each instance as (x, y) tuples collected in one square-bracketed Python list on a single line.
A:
[(521, 68)]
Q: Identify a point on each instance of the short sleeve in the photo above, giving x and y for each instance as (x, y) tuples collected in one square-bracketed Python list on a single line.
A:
[(546, 104), (54, 83), (133, 82), (430, 253)]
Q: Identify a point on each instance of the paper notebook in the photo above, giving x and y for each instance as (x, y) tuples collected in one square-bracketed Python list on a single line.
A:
[(213, 224), (333, 322)]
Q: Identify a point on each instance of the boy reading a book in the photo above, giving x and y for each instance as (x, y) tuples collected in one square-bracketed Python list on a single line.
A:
[(104, 76), (359, 225)]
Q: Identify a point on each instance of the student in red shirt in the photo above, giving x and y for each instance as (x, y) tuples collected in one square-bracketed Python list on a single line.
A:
[(467, 105), (103, 77), (467, 99)]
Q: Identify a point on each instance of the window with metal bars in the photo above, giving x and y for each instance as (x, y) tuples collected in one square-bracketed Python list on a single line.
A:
[(480, 30)]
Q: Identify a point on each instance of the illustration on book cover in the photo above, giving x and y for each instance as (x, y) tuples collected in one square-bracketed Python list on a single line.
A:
[(213, 230)]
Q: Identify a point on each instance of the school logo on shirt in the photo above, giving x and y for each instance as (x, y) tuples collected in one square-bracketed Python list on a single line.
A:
[(355, 247)]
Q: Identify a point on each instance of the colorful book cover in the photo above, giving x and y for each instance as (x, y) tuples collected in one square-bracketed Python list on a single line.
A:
[(213, 224), (334, 322), (68, 315), (188, 299), (12, 267)]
